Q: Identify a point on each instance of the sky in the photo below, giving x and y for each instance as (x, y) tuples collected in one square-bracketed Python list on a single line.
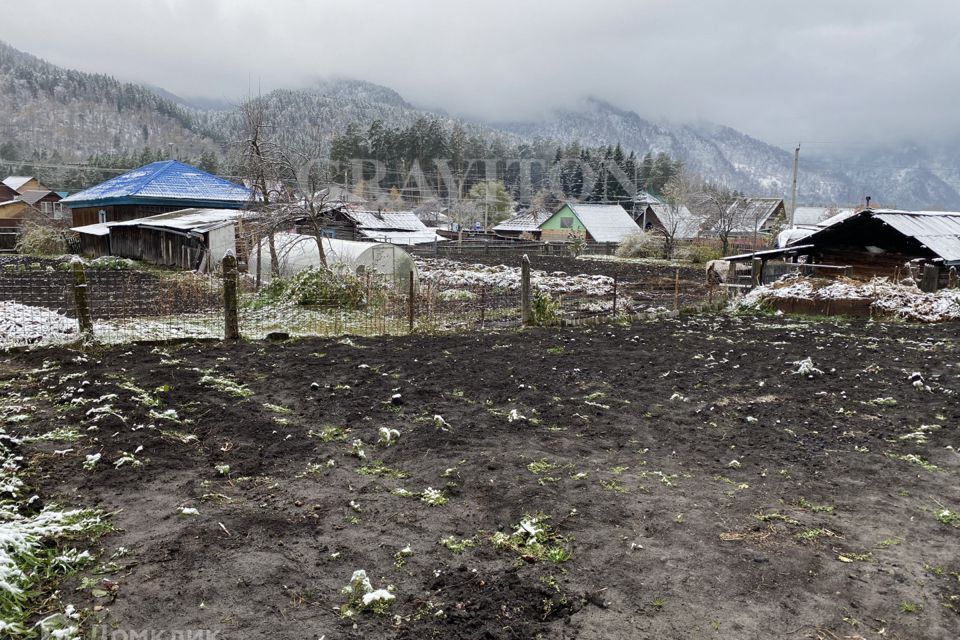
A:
[(834, 73)]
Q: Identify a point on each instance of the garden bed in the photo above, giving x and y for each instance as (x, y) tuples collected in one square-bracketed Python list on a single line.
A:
[(683, 478)]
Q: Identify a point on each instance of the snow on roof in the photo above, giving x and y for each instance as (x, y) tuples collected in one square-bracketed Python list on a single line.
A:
[(605, 222), (939, 231), (387, 220), (98, 229), (185, 219), (402, 238), (165, 180), (645, 197), (15, 182), (529, 220), (819, 216), (753, 213), (687, 224)]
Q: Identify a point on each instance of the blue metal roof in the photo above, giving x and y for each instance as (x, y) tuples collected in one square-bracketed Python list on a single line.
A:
[(162, 182)]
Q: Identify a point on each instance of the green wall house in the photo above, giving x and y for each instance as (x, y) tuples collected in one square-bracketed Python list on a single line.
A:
[(593, 222)]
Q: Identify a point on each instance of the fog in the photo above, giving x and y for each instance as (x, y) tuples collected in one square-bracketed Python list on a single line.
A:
[(835, 73)]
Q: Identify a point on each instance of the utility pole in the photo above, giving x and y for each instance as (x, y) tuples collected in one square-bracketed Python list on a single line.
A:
[(793, 199)]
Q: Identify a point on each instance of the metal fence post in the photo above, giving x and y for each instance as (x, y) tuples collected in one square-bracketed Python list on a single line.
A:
[(231, 319), (80, 294), (410, 304), (525, 315)]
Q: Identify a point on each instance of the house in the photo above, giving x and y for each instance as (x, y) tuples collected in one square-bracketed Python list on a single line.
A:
[(524, 226), (194, 239), (881, 241), (47, 202), (754, 216), (155, 188), (591, 222), (22, 183), (662, 217), (395, 227), (21, 196)]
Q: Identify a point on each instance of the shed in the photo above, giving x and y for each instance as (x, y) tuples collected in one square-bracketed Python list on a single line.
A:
[(593, 222), (879, 241), (297, 253), (525, 225), (155, 188), (195, 239), (397, 227)]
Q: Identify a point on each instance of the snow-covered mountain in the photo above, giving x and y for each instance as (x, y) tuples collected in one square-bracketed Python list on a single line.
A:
[(60, 113)]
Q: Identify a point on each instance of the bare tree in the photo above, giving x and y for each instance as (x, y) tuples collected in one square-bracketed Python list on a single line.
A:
[(676, 218), (722, 219), (289, 182)]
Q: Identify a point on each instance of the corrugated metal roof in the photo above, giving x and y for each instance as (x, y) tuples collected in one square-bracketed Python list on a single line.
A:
[(939, 231), (526, 221), (32, 196), (402, 238), (183, 220), (687, 224), (605, 222), (165, 180), (752, 213), (387, 220), (813, 216)]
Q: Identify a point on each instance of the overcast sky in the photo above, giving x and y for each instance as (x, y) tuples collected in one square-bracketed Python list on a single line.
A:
[(835, 71)]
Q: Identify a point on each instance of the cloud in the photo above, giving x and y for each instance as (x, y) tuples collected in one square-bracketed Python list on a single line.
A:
[(843, 72)]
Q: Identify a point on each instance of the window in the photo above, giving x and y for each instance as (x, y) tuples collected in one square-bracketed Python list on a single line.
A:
[(101, 216), (566, 222)]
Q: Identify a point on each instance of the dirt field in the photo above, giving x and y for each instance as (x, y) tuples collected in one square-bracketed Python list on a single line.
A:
[(674, 479)]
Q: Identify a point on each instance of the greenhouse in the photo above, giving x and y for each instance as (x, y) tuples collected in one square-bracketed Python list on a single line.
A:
[(297, 253)]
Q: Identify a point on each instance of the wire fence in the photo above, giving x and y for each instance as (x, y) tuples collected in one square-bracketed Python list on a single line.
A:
[(46, 302)]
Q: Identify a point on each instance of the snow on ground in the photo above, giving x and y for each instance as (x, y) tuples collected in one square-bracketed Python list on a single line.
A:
[(898, 300), (456, 275), (23, 324)]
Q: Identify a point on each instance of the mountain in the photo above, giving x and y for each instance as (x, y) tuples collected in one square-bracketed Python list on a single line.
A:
[(53, 113), (47, 109)]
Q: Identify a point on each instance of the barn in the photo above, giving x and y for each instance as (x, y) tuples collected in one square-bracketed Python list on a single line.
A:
[(879, 242)]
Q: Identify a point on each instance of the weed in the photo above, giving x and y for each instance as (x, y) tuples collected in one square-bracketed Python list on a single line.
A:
[(458, 546), (557, 350), (913, 459), (377, 468), (400, 557), (816, 508), (658, 603), (329, 433), (910, 607), (775, 516), (613, 485), (809, 535), (948, 517), (433, 497), (542, 466), (225, 384), (361, 596), (618, 470), (277, 408), (534, 540)]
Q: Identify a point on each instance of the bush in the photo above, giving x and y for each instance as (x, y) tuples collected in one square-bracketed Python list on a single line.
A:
[(41, 240), (544, 309), (315, 286), (701, 252), (641, 245)]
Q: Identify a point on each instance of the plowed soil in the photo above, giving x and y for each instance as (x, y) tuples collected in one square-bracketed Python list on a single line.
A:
[(701, 487)]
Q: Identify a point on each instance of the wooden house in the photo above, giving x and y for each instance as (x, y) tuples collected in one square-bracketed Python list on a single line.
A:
[(155, 188), (605, 223)]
